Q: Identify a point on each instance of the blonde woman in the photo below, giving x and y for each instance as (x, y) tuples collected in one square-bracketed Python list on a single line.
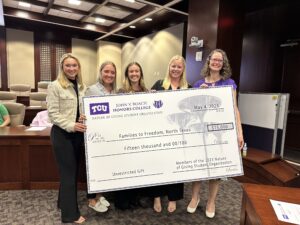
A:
[(216, 72), (175, 79), (63, 104), (105, 85)]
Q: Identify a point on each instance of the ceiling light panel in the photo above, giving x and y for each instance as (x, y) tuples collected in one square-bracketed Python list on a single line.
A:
[(10, 3), (73, 16), (24, 4), (74, 2), (99, 20), (108, 11), (22, 14), (135, 5), (106, 23), (37, 9), (85, 6)]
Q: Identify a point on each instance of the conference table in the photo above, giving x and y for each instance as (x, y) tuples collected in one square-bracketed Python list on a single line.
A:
[(256, 205), (27, 160)]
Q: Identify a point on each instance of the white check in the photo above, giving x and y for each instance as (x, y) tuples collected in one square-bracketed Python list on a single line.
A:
[(135, 140)]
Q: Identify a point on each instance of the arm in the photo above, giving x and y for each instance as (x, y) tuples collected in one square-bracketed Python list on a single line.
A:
[(238, 122), (6, 121)]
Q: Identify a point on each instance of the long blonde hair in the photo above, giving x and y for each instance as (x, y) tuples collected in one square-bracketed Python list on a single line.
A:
[(183, 82), (62, 78), (100, 74), (127, 83)]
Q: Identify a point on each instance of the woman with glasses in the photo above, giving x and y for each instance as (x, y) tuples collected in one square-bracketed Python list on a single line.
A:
[(216, 72)]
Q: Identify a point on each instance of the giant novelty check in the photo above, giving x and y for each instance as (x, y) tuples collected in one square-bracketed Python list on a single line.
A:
[(146, 139)]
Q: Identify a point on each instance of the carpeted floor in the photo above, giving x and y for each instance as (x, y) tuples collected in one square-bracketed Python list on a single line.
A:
[(39, 207)]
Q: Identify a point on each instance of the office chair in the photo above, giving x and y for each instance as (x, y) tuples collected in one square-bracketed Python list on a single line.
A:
[(20, 89), (16, 112), (43, 86), (6, 96), (38, 99)]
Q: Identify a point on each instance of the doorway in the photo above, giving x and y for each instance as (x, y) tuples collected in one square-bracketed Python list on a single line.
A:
[(290, 83)]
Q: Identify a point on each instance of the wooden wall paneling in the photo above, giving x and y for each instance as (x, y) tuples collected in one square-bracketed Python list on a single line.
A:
[(25, 164), (27, 160), (292, 132), (290, 84), (202, 23), (220, 25), (3, 60), (262, 59), (11, 164), (43, 166), (53, 38), (230, 33), (37, 66), (53, 60)]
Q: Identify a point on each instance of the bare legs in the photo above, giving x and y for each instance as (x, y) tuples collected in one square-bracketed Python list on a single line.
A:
[(195, 194), (171, 206), (211, 202), (212, 195), (157, 205), (158, 208), (80, 220)]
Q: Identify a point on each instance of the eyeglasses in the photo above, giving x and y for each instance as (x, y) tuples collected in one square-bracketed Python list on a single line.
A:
[(217, 60)]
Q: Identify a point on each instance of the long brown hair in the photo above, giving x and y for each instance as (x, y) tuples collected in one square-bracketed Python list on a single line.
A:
[(127, 86), (226, 69)]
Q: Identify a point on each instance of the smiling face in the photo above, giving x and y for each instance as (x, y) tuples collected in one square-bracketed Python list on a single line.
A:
[(108, 74), (134, 74), (176, 69), (70, 68), (216, 62)]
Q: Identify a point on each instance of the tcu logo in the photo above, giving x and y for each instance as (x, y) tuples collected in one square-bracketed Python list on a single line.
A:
[(99, 108), (158, 104)]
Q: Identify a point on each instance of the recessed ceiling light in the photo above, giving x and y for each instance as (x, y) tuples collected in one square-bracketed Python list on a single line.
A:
[(148, 19), (100, 20), (24, 4), (131, 1), (74, 2), (22, 14), (132, 27), (90, 27)]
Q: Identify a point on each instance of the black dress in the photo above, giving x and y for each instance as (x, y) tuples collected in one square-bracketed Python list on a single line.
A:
[(173, 191), (130, 198)]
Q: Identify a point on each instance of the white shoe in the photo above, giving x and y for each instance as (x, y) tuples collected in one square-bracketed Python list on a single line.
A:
[(103, 201), (98, 207), (210, 214), (191, 209)]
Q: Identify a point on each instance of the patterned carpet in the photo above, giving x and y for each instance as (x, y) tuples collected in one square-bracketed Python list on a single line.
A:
[(39, 207)]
